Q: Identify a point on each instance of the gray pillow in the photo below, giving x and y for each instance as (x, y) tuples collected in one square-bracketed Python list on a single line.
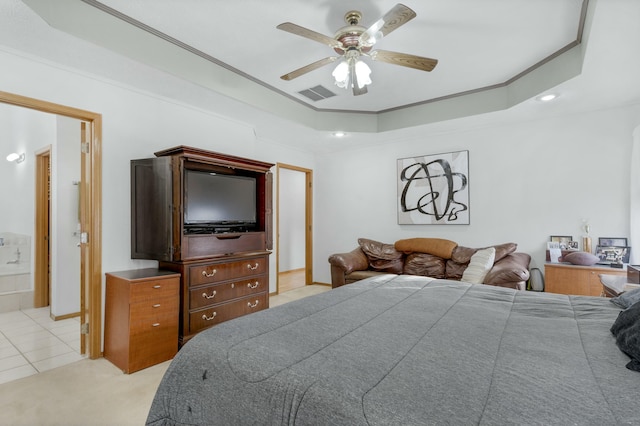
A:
[(627, 298)]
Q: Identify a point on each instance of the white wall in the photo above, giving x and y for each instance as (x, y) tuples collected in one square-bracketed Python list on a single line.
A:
[(22, 131), (527, 181), (291, 199)]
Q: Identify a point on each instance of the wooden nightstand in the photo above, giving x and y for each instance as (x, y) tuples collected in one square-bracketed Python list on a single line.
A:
[(565, 278), (141, 318)]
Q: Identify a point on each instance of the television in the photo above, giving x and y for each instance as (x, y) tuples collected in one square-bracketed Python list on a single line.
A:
[(215, 202)]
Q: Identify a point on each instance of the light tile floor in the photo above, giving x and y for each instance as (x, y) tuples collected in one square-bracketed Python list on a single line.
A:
[(31, 342)]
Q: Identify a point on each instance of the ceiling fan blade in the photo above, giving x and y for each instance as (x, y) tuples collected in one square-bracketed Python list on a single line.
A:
[(309, 68), (393, 19), (404, 59), (310, 34)]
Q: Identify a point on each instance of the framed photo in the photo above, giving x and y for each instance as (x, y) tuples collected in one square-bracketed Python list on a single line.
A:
[(434, 189), (612, 242), (610, 254), (563, 240)]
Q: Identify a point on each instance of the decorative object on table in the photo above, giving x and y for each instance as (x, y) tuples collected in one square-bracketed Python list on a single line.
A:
[(573, 245), (555, 253), (434, 189), (586, 239), (563, 240), (581, 258), (609, 255), (612, 242)]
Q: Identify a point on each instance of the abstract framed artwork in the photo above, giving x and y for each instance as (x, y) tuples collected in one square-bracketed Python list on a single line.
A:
[(434, 189)]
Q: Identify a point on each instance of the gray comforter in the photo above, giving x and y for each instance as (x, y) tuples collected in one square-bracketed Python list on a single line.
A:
[(407, 350)]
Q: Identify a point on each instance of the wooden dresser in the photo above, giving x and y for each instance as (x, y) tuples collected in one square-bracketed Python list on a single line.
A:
[(565, 278), (223, 264), (141, 318), (217, 290)]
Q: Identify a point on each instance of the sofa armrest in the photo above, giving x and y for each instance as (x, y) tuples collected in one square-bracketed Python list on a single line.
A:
[(345, 263), (510, 271)]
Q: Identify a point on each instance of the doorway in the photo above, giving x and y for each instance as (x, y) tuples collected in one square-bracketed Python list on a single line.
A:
[(42, 234), (90, 194), (294, 263)]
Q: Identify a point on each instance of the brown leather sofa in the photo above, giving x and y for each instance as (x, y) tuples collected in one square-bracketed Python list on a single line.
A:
[(432, 257)]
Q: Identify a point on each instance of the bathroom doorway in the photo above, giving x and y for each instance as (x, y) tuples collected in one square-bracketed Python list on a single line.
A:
[(90, 196)]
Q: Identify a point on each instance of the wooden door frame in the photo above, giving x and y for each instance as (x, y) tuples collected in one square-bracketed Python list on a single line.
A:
[(308, 214), (41, 295), (92, 257)]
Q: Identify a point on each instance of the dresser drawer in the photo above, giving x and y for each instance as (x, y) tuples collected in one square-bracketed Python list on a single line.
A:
[(204, 318), (213, 294), (152, 343), (217, 272), (149, 310), (199, 246), (153, 290)]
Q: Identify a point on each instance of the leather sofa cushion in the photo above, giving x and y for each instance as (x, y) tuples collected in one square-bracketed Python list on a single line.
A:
[(463, 254), (435, 246), (425, 264), (454, 270), (510, 269), (382, 257)]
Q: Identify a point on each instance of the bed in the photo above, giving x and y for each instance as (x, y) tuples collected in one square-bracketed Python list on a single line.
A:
[(407, 350)]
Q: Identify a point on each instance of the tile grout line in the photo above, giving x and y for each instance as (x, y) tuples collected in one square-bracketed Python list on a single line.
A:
[(22, 354)]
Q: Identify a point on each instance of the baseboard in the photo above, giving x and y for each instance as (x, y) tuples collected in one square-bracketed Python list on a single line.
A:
[(64, 317)]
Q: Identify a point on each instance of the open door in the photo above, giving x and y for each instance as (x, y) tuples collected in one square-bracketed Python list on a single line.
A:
[(42, 237), (85, 209), (283, 219)]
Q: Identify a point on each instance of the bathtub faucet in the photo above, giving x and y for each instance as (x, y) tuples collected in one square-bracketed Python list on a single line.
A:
[(17, 258)]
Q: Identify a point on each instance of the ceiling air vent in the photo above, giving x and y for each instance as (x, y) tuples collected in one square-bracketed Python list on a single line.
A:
[(317, 93)]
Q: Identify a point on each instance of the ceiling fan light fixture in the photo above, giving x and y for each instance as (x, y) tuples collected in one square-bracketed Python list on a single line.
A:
[(343, 77), (363, 72)]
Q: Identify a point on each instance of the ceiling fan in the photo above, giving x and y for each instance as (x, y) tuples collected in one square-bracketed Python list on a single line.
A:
[(354, 41)]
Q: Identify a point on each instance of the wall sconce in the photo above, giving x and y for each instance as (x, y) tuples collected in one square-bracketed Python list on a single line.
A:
[(18, 158)]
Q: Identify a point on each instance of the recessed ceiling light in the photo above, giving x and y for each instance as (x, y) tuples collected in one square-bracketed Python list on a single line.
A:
[(547, 97), (339, 134)]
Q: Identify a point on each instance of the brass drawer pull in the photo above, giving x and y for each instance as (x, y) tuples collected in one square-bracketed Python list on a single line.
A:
[(204, 273), (253, 286), (253, 268), (206, 318), (156, 324), (249, 304), (206, 296), (157, 305)]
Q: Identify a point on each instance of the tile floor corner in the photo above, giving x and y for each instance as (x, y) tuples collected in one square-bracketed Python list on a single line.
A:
[(31, 342)]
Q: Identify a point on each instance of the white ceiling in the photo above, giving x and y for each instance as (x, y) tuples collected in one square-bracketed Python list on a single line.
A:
[(233, 49), (477, 43)]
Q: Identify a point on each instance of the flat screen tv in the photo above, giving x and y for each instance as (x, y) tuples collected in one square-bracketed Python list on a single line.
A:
[(219, 203)]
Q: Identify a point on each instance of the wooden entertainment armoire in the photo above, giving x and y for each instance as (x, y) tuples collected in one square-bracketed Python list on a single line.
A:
[(223, 275)]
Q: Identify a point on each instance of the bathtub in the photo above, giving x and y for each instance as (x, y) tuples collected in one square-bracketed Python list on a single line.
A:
[(16, 290)]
